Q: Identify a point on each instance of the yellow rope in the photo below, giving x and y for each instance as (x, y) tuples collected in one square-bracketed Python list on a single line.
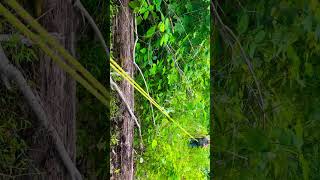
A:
[(45, 37), (20, 26), (124, 75)]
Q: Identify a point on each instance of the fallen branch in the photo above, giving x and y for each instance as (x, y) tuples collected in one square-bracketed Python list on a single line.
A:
[(12, 73)]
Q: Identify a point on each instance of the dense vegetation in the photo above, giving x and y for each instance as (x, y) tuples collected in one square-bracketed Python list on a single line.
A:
[(279, 139), (266, 91), (173, 54), (15, 121)]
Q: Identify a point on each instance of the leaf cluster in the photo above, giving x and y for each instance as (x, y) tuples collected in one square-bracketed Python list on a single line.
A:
[(281, 39)]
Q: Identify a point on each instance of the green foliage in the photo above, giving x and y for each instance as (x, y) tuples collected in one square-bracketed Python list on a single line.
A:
[(19, 53), (15, 120), (173, 53), (281, 40), (91, 114), (100, 11), (13, 148)]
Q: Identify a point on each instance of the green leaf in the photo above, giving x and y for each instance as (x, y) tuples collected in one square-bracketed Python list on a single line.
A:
[(260, 36), (299, 135), (158, 4), (151, 32), (292, 54), (161, 27), (243, 23), (144, 2), (178, 27), (143, 50), (164, 39), (139, 20), (167, 23), (154, 15), (153, 70), (143, 10), (134, 4), (307, 23), (151, 8), (154, 144), (305, 167), (162, 17), (146, 15), (252, 49), (308, 69)]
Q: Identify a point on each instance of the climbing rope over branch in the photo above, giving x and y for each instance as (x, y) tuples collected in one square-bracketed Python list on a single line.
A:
[(9, 72)]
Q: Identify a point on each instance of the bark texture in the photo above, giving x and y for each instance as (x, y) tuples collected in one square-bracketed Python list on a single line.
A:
[(58, 94), (123, 43)]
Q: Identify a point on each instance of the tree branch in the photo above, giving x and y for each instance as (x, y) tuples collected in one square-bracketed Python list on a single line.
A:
[(14, 74)]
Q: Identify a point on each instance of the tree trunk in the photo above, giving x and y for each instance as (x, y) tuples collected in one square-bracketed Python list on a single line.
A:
[(58, 94), (123, 51)]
